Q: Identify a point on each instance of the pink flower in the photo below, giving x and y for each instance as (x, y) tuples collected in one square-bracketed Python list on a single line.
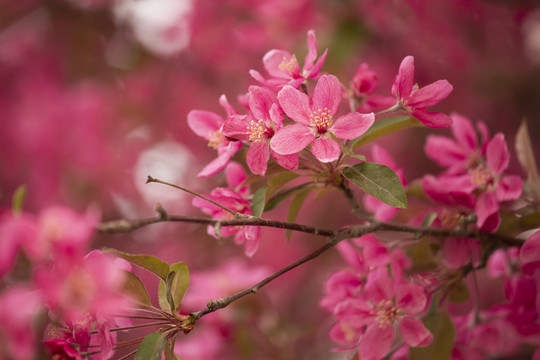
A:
[(208, 125), (363, 85), (234, 200), (284, 69), (315, 121), (258, 127), (459, 154), (385, 304), (414, 100)]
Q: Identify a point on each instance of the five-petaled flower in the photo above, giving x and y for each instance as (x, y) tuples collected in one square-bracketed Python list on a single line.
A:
[(414, 100), (315, 121)]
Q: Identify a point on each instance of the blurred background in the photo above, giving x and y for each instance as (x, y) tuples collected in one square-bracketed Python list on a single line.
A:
[(94, 96)]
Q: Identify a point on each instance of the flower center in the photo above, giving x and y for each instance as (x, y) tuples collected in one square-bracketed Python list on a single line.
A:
[(481, 176), (386, 313), (257, 131), (216, 139), (449, 218), (321, 119), (288, 64)]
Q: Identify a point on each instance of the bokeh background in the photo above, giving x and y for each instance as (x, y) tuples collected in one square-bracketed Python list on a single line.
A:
[(94, 96)]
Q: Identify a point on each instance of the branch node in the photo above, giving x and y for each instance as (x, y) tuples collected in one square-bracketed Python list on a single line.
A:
[(149, 179), (161, 212)]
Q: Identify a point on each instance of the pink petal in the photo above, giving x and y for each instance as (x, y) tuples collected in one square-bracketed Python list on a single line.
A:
[(289, 162), (235, 174), (431, 119), (327, 94), (273, 59), (312, 50), (530, 251), (344, 334), (316, 69), (351, 256), (352, 125), (430, 94), (405, 77), (486, 206), (414, 332), (236, 127), (253, 237), (225, 104), (410, 298), (375, 254), (204, 123), (260, 102), (221, 161), (376, 342), (276, 115), (509, 188), (379, 286), (464, 132), (292, 139), (325, 149), (460, 251), (444, 151), (497, 155), (295, 104), (257, 157)]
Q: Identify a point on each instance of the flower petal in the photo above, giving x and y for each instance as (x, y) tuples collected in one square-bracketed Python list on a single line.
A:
[(289, 162), (410, 298), (236, 127), (464, 132), (204, 123), (257, 157), (221, 161), (235, 174), (509, 188), (379, 286), (226, 105), (352, 125), (444, 151), (272, 61), (486, 206), (414, 332), (405, 78), (530, 251), (376, 342), (430, 94), (325, 149), (260, 103), (327, 94), (312, 51), (432, 119), (295, 104), (497, 155), (292, 139)]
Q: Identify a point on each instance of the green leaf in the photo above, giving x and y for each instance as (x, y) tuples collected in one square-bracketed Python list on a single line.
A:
[(151, 347), (135, 289), (17, 201), (443, 332), (282, 195), (172, 290), (378, 181), (259, 199), (276, 182), (294, 209), (422, 254), (350, 153), (385, 127), (148, 262), (429, 219)]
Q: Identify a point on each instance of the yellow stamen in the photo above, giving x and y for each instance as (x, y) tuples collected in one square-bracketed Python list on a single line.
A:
[(321, 119), (288, 64), (257, 131)]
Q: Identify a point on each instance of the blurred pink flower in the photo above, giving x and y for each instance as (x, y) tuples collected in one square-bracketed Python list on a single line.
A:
[(414, 100), (208, 125), (315, 121), (284, 69)]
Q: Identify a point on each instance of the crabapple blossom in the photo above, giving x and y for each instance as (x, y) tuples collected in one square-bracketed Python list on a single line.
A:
[(258, 128), (315, 121), (208, 125), (284, 69), (414, 100)]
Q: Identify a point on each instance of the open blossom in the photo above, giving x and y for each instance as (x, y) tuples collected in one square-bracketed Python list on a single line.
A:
[(284, 69), (315, 121), (234, 200), (258, 127), (465, 150), (414, 99), (208, 125)]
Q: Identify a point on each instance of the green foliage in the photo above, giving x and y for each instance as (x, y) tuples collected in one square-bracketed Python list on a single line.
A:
[(444, 333), (17, 201), (135, 289), (172, 290), (258, 202), (294, 209), (148, 262), (459, 292), (378, 181), (385, 127), (151, 348)]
